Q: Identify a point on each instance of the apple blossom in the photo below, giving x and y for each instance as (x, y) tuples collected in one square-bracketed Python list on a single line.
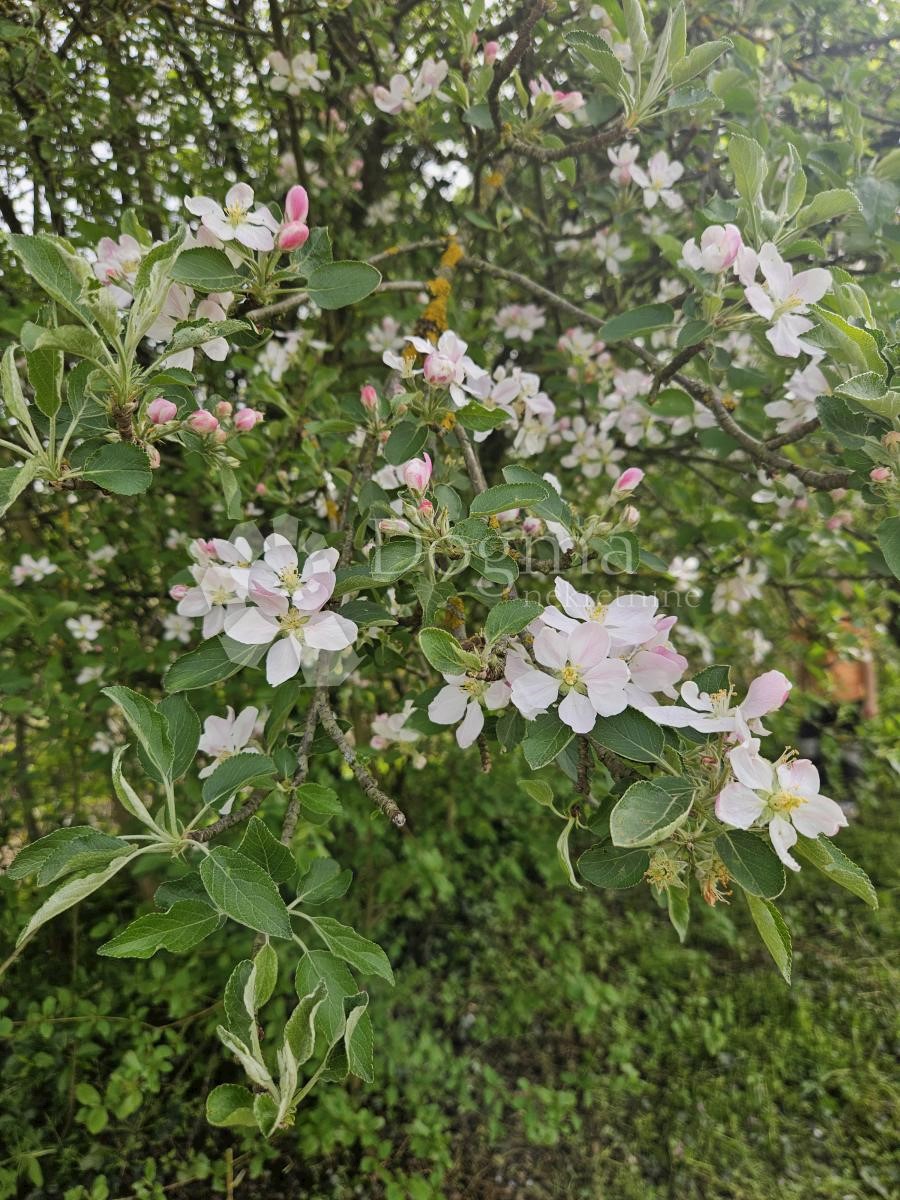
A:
[(880, 474), (658, 179), (223, 737), (610, 250), (491, 50), (718, 249), (368, 397), (462, 699), (417, 473), (161, 411), (297, 74), (520, 321), (85, 628), (246, 419), (29, 567), (117, 263), (784, 298), (237, 221), (448, 365), (294, 230), (217, 593), (579, 664), (804, 388), (623, 159), (628, 480), (783, 795), (630, 620), (766, 694), (203, 421), (388, 728), (561, 104), (746, 584)]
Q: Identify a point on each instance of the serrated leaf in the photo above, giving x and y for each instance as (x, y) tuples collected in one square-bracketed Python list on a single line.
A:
[(827, 206), (49, 856), (352, 947), (181, 928), (229, 1105), (260, 844), (445, 653), (213, 661), (834, 863), (773, 931), (546, 738), (72, 892), (207, 270), (235, 773), (337, 284), (242, 890), (646, 814), (506, 496), (300, 1028), (323, 881), (510, 617), (148, 725), (751, 863), (119, 468), (610, 866), (630, 735)]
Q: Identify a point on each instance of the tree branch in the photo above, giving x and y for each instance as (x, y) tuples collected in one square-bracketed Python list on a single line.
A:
[(363, 776)]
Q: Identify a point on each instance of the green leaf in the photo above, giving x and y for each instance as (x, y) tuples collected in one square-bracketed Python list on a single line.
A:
[(242, 890), (236, 1014), (481, 419), (261, 845), (553, 508), (563, 855), (72, 892), (389, 561), (45, 369), (405, 442), (834, 863), (751, 863), (315, 251), (128, 797), (678, 901), (207, 270), (539, 790), (230, 1104), (359, 1041), (631, 735), (773, 932), (613, 866), (827, 206), (300, 1028), (888, 534), (323, 881), (149, 726), (54, 269), (636, 321), (233, 774), (319, 966), (119, 468), (184, 926), (851, 342), (510, 617), (869, 391), (213, 661), (636, 29), (445, 654), (507, 495), (265, 1110), (337, 284), (184, 732), (646, 814), (547, 737), (51, 856), (194, 333), (265, 975), (75, 340), (13, 396), (699, 60), (750, 166), (600, 56), (352, 947), (318, 804), (14, 481)]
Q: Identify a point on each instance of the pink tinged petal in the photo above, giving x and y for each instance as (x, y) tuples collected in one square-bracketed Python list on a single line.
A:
[(244, 723), (330, 631), (606, 689), (471, 727), (239, 196), (800, 777), (672, 715), (251, 627), (819, 815), (750, 769), (553, 617), (296, 204), (811, 285), (588, 646), (203, 206), (783, 836), (448, 706), (194, 604), (320, 562), (534, 690), (577, 712), (577, 604), (766, 693), (272, 603), (282, 661), (213, 622), (280, 556), (551, 649), (737, 805), (759, 300), (218, 224)]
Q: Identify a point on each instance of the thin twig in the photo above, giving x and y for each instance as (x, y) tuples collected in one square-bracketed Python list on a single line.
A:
[(363, 776)]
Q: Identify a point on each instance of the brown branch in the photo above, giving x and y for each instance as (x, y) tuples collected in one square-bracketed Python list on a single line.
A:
[(547, 154), (363, 776), (233, 818), (292, 816), (506, 66)]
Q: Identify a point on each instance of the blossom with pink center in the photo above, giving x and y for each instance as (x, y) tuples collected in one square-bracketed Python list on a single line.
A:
[(629, 620), (715, 713), (417, 473), (161, 411), (403, 96), (461, 701), (658, 179), (623, 159), (785, 796), (718, 249), (880, 474), (561, 104), (784, 299), (579, 665), (294, 230), (223, 737), (447, 365), (238, 220), (117, 264), (217, 593)]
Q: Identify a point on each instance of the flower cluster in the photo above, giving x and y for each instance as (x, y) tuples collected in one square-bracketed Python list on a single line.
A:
[(401, 95)]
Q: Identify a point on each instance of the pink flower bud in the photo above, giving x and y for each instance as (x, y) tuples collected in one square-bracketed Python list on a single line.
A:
[(417, 473), (224, 409), (178, 591), (439, 370), (296, 204), (246, 418), (426, 507), (161, 411), (202, 421), (292, 236), (152, 456), (532, 526), (880, 474), (260, 489), (630, 515), (220, 437), (628, 480), (393, 525), (368, 396), (838, 494), (491, 50)]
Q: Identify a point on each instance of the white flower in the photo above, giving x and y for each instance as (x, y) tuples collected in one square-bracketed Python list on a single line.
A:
[(85, 628), (784, 299), (629, 620), (117, 265), (746, 584), (715, 713), (32, 568), (216, 594), (623, 159), (799, 405), (685, 572), (520, 321), (403, 96), (447, 365), (577, 663), (388, 728), (88, 675), (658, 179), (592, 452), (785, 796), (461, 700), (385, 336), (238, 220), (224, 736), (610, 250), (718, 249), (177, 628), (297, 74)]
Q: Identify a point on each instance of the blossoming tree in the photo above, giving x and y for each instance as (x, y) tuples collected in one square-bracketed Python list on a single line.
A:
[(514, 337)]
